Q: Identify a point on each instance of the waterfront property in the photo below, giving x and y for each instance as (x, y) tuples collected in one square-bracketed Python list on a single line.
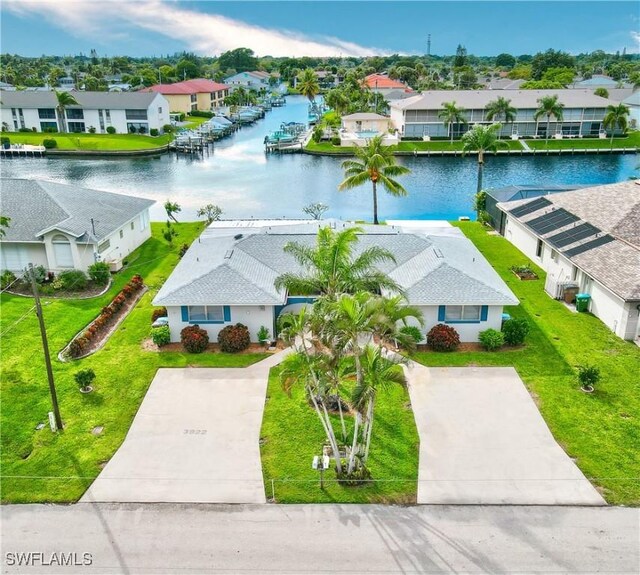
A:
[(228, 276), (62, 227), (255, 80), (390, 89), (358, 128), (190, 95), (582, 114), (125, 112), (587, 241)]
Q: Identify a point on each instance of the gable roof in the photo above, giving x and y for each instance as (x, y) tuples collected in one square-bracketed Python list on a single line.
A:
[(364, 116), (381, 81), (87, 100), (232, 264), (187, 87), (37, 206)]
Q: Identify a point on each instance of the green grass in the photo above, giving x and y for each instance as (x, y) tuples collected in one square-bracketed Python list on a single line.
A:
[(432, 146), (195, 121), (292, 434), (92, 142), (602, 430), (123, 369), (632, 140), (329, 148)]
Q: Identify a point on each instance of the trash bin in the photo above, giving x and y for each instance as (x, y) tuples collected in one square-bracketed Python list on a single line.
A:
[(582, 301), (569, 293), (505, 317)]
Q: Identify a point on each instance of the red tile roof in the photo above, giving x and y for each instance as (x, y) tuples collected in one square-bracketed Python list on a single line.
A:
[(199, 85), (381, 81)]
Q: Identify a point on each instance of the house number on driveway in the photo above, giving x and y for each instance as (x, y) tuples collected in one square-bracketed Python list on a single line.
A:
[(195, 431)]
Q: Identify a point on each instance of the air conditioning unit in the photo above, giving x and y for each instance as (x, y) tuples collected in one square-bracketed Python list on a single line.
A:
[(115, 265)]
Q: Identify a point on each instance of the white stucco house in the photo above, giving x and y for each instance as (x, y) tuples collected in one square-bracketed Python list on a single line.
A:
[(357, 129), (228, 276), (61, 227), (589, 239)]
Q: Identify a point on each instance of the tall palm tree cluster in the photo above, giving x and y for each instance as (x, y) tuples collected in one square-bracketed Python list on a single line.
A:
[(340, 343)]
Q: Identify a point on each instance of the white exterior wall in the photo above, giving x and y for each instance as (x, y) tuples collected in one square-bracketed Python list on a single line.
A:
[(252, 316), (468, 332), (25, 252), (120, 248), (608, 307), (630, 326), (397, 119)]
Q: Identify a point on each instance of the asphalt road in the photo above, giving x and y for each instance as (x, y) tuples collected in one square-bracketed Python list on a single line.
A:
[(172, 538)]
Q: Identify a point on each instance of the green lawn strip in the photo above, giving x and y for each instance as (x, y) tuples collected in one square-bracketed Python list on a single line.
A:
[(123, 369), (292, 434), (195, 121), (447, 146), (329, 148), (631, 140), (91, 142), (602, 430)]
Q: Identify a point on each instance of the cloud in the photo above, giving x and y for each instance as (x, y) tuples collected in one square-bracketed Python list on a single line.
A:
[(201, 32)]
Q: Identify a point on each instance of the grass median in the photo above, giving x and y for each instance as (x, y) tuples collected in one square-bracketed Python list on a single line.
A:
[(91, 142)]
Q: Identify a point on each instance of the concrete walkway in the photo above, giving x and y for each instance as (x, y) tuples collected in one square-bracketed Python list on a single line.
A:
[(195, 439), (483, 441)]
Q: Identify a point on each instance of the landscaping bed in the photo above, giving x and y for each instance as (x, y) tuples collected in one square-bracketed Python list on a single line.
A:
[(148, 345)]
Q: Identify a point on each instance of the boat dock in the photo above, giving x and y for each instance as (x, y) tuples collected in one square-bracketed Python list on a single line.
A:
[(23, 151)]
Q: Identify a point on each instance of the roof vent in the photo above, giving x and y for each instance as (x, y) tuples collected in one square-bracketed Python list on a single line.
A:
[(228, 254), (238, 237), (438, 252)]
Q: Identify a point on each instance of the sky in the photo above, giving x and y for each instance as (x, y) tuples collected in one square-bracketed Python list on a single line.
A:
[(318, 28)]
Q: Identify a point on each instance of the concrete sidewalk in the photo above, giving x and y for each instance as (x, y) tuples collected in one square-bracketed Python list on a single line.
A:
[(483, 441)]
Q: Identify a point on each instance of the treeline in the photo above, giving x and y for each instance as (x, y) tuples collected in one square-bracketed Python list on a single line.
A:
[(549, 69)]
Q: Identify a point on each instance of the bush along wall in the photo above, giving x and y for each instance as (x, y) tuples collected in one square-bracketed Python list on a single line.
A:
[(82, 343)]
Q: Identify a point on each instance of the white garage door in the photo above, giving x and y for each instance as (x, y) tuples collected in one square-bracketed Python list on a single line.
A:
[(14, 258)]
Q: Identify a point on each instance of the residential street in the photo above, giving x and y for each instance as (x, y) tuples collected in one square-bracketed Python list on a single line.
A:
[(170, 538)]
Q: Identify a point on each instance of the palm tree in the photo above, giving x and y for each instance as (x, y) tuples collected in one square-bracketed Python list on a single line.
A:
[(481, 139), (616, 117), (549, 106), (308, 84), (375, 163), (337, 100), (332, 268), (452, 114), (4, 223), (501, 109), (64, 99)]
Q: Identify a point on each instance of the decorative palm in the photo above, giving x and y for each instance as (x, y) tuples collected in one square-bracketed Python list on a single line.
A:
[(482, 139), (332, 268), (452, 114), (616, 117), (374, 163), (501, 110), (64, 99), (308, 85), (549, 106)]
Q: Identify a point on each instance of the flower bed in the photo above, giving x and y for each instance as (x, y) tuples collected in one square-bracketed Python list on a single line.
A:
[(524, 272), (89, 339)]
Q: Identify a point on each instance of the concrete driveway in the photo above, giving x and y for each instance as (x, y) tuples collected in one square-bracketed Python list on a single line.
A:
[(195, 439), (483, 441)]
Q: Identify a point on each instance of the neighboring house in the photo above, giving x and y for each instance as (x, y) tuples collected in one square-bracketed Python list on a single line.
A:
[(250, 80), (499, 83), (600, 81), (61, 227), (362, 126), (121, 110), (390, 89), (418, 116), (633, 103), (199, 94), (66, 83), (589, 239), (228, 276)]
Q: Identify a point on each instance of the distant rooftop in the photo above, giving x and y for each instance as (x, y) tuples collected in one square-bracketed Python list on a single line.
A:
[(195, 86)]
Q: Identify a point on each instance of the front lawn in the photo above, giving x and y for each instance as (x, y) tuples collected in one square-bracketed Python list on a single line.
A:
[(631, 140), (91, 142), (602, 430), (292, 434), (407, 146), (39, 466)]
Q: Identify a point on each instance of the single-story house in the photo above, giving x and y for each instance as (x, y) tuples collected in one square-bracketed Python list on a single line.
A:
[(124, 111), (61, 226), (633, 103), (228, 275), (587, 239), (358, 128), (255, 80), (197, 94)]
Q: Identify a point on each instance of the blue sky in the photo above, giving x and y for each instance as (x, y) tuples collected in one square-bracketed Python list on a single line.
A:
[(155, 27)]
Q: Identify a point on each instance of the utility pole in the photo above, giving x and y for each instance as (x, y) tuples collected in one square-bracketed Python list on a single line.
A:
[(428, 44), (45, 347)]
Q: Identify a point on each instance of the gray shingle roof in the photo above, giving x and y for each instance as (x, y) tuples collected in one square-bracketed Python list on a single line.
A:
[(87, 100), (364, 116), (221, 270), (37, 206)]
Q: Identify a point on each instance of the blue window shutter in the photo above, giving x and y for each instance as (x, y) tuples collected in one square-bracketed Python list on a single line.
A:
[(185, 313), (484, 312), (441, 313), (227, 313)]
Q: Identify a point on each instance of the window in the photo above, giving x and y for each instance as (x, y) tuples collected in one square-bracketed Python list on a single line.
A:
[(554, 255), (75, 114), (48, 126), (133, 227), (47, 113), (108, 114), (455, 313), (76, 127), (574, 273), (144, 220), (135, 114), (212, 313), (104, 246), (121, 234), (539, 249), (160, 110), (101, 119), (62, 251)]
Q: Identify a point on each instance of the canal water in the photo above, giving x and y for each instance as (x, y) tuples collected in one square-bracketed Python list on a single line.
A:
[(245, 182)]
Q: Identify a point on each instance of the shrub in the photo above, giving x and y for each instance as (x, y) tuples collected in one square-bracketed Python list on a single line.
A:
[(84, 378), (7, 278), (99, 273), (5, 142), (153, 132), (588, 376), (50, 143), (50, 130), (515, 331), (111, 130), (142, 130), (413, 332), (491, 339), (234, 338), (194, 339), (167, 128), (200, 114), (183, 250), (263, 333), (132, 129), (161, 335), (92, 129), (73, 279), (443, 337), (38, 272), (24, 130), (158, 312), (484, 218), (335, 141)]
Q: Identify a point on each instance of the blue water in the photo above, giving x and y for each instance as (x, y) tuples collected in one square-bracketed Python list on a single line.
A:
[(245, 182)]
